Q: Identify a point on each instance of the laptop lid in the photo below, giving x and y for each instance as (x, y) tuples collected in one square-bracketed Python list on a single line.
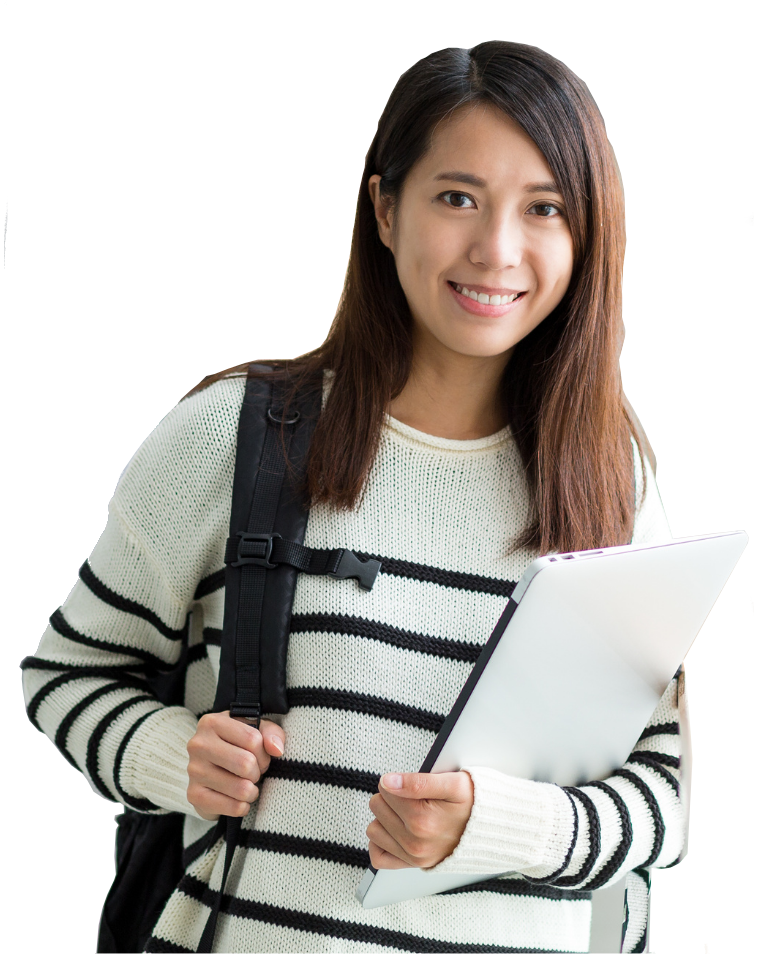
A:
[(574, 668)]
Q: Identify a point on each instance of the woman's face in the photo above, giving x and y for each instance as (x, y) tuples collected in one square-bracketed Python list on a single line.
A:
[(480, 238)]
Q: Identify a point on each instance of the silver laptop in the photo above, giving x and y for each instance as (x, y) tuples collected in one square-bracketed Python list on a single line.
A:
[(572, 672)]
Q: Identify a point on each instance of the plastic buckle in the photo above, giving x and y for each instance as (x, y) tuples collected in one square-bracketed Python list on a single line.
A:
[(253, 558), (351, 567)]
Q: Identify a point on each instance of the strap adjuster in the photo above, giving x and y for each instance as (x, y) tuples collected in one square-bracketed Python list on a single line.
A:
[(253, 549), (249, 714)]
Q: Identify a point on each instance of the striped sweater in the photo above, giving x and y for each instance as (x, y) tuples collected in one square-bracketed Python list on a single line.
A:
[(370, 675)]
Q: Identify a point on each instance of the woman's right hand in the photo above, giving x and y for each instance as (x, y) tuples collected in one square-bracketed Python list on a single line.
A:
[(227, 758)]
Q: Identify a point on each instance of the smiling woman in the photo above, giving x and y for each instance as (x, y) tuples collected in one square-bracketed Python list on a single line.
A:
[(472, 416), (452, 250), (544, 209)]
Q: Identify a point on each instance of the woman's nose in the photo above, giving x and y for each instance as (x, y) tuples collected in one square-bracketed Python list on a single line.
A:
[(498, 245)]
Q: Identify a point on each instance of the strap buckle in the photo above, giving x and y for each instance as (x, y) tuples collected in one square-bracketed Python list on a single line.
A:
[(253, 549), (351, 567)]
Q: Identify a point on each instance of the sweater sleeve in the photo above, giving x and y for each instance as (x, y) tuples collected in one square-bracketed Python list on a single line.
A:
[(589, 835), (128, 617)]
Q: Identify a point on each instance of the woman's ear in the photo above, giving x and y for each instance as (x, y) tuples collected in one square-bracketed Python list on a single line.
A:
[(382, 212)]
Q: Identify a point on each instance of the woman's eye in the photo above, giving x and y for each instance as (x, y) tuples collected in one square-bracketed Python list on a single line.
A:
[(455, 200), (545, 210), (458, 200)]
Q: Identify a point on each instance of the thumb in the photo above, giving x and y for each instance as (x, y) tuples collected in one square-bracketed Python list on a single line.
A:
[(447, 786), (274, 738)]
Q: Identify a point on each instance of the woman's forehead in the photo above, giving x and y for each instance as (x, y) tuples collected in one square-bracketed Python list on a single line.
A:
[(484, 147)]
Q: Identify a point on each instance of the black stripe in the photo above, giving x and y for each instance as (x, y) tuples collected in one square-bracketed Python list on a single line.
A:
[(126, 605), (212, 636), (61, 735), (368, 705), (644, 758), (433, 574), (93, 745), (332, 927), (304, 848), (196, 653), (140, 804), (671, 864), (323, 775), (612, 866), (49, 665), (210, 584), (61, 627), (61, 680), (359, 858), (671, 761), (394, 635), (519, 888), (414, 571), (666, 728), (569, 852), (653, 808), (594, 839), (161, 946)]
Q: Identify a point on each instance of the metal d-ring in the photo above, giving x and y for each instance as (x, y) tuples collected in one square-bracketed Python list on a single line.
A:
[(278, 420)]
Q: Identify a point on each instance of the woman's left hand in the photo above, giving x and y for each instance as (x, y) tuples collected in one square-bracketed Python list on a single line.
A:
[(419, 818)]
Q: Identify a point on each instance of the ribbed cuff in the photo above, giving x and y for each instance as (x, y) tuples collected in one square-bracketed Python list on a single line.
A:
[(515, 825), (155, 761)]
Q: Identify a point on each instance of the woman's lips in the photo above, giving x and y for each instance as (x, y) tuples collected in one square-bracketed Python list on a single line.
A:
[(484, 311)]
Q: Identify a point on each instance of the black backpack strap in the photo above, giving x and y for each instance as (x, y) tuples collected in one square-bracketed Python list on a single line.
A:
[(265, 547), (263, 556)]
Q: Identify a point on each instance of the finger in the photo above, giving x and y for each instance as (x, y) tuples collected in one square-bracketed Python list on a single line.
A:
[(258, 747), (379, 835), (236, 731), (273, 738), (225, 783), (387, 817), (383, 859), (207, 748), (388, 822), (444, 786), (243, 736), (210, 804)]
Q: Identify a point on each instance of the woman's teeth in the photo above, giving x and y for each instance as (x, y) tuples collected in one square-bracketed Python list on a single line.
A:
[(486, 299)]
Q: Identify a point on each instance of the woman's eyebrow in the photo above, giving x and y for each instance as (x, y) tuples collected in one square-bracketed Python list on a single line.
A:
[(468, 178)]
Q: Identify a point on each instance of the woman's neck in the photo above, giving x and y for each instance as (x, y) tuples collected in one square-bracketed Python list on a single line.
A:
[(458, 403)]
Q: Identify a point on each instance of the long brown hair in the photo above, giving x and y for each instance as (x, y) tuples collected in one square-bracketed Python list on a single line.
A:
[(562, 390)]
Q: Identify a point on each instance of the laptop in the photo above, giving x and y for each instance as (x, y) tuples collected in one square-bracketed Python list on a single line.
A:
[(585, 648)]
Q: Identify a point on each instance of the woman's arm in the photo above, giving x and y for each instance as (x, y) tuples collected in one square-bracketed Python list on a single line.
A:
[(129, 613), (585, 836)]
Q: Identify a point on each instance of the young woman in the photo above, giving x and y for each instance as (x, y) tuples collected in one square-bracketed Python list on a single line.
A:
[(473, 417)]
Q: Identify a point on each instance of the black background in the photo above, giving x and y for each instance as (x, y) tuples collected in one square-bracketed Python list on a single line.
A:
[(137, 278)]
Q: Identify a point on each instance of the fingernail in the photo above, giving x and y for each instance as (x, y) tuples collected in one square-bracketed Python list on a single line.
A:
[(392, 781), (277, 744)]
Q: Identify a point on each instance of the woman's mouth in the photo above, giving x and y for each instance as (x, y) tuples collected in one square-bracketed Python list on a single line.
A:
[(479, 301)]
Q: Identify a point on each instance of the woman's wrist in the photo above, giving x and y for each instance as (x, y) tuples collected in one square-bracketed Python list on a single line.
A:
[(154, 764)]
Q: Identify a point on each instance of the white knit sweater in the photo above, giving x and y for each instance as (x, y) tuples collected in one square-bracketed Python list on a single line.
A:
[(409, 644)]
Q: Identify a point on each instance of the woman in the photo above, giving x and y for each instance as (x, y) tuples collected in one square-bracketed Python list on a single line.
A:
[(473, 418)]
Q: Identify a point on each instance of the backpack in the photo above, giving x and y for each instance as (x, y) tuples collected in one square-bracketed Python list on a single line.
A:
[(263, 555)]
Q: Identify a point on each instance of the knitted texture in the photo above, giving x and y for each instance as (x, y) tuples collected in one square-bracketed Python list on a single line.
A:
[(371, 675)]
